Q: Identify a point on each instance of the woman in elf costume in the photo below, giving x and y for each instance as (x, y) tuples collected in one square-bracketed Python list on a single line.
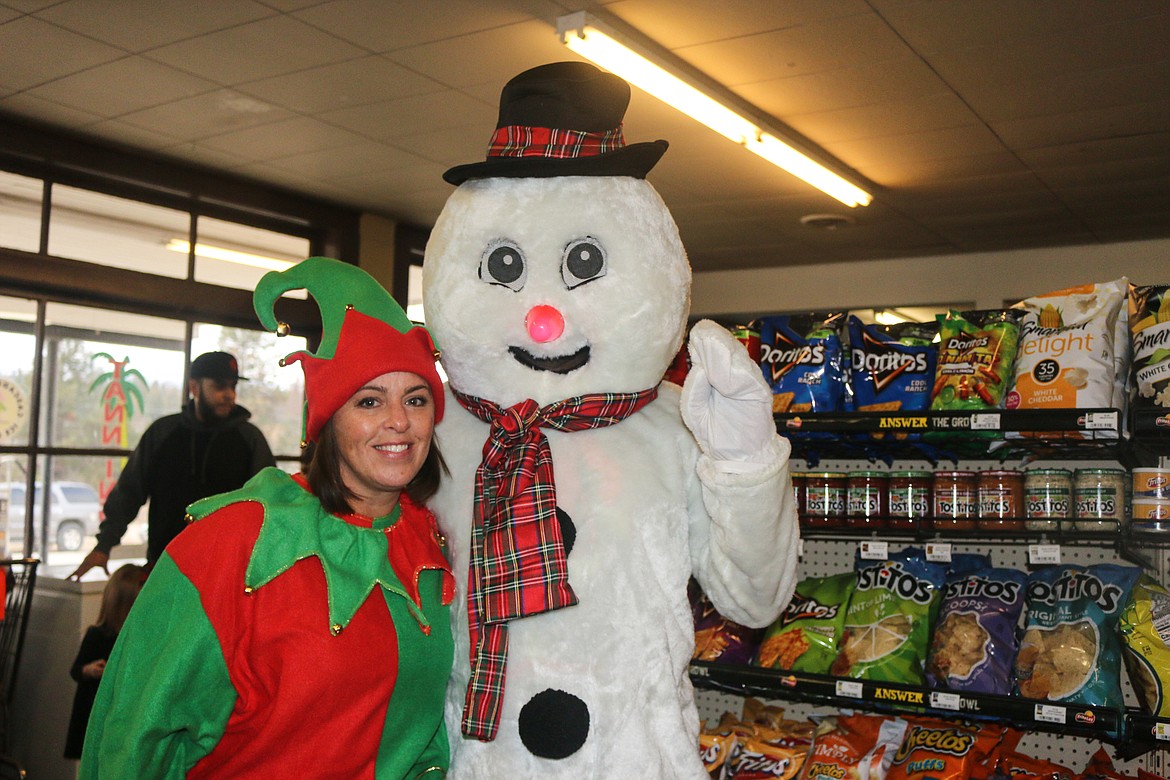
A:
[(299, 627)]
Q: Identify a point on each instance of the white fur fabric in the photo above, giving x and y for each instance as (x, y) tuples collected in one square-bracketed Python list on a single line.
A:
[(648, 509)]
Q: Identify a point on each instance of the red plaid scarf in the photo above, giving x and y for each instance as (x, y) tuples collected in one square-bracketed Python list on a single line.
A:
[(518, 562)]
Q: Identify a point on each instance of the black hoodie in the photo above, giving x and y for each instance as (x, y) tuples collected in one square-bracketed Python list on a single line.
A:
[(180, 460)]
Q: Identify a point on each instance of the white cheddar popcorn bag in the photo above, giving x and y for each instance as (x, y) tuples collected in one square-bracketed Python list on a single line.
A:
[(1069, 356)]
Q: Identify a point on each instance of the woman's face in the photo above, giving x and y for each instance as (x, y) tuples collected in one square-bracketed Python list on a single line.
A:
[(383, 436)]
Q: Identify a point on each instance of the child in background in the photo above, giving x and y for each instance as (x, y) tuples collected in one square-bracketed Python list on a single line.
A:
[(117, 598)]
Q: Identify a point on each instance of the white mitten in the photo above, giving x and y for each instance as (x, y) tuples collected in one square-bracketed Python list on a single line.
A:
[(725, 401)]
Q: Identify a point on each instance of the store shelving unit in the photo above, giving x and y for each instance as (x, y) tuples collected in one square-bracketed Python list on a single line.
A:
[(935, 437)]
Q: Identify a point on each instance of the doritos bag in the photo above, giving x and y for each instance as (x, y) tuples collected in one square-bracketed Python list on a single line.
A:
[(804, 638), (803, 360), (891, 367)]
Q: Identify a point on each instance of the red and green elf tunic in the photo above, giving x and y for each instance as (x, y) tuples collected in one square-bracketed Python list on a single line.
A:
[(274, 639)]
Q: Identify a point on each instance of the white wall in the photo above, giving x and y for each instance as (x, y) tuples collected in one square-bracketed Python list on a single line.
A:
[(986, 278)]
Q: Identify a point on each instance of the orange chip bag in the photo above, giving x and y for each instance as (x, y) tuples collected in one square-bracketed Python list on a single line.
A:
[(755, 759), (1019, 766), (714, 748), (853, 747), (944, 750)]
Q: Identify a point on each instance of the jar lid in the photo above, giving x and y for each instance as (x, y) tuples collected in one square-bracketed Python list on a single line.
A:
[(925, 474), (826, 475), (1108, 472), (1002, 472), (938, 474), (869, 474), (1050, 472)]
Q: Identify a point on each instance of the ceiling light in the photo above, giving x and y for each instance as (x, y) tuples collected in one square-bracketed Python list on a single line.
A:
[(887, 317), (230, 255), (655, 71)]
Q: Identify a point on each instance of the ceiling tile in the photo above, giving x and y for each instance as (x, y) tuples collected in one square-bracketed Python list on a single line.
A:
[(33, 52), (122, 86), (30, 106), (354, 82), (940, 111), (269, 47), (414, 114), (345, 162), (282, 138), (387, 25), (138, 25), (515, 48), (206, 115)]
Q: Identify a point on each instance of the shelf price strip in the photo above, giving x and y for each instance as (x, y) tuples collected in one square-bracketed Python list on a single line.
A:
[(1050, 713)]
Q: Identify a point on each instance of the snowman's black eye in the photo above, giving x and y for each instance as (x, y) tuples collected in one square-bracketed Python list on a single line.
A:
[(503, 264), (583, 261)]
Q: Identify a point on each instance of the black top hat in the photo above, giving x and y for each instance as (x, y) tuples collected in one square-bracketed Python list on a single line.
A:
[(562, 119)]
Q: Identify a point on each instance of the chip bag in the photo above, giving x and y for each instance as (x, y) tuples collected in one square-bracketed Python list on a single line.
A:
[(1145, 630), (1019, 766), (852, 746), (1070, 650), (887, 624), (976, 355), (803, 360), (891, 367), (1067, 356), (973, 646), (935, 749), (804, 638), (716, 637), (1149, 325)]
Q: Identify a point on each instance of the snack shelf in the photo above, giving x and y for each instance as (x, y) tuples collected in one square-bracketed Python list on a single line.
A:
[(954, 435), (1103, 723)]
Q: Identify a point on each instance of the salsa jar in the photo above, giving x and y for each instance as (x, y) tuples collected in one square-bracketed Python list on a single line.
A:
[(1048, 498), (825, 498), (798, 491), (909, 498), (866, 498), (954, 500), (1099, 499), (1001, 499)]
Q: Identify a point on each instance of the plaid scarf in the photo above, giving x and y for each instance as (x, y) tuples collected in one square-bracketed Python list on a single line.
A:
[(518, 561)]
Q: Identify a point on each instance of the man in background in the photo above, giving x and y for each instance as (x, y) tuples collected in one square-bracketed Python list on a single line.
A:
[(208, 448)]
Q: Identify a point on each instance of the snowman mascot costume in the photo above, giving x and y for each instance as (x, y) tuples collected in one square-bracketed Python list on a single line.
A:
[(586, 491)]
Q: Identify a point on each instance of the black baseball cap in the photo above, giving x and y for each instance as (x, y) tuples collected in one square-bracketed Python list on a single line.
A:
[(220, 366)]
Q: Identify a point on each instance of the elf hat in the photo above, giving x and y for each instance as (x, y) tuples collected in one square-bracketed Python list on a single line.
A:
[(562, 119), (364, 334)]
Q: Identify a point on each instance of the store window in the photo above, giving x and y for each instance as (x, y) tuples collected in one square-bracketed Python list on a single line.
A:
[(234, 255), (118, 232), (20, 211)]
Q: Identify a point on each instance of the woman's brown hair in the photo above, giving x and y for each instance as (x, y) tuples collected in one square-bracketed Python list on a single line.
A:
[(324, 473), (120, 592)]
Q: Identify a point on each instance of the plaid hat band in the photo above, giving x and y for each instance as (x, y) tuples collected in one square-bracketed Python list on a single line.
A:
[(551, 142)]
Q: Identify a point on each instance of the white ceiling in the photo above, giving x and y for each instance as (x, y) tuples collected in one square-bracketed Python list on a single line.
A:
[(984, 124)]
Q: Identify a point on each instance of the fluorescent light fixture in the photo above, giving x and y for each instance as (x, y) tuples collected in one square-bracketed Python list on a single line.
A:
[(652, 71), (230, 255), (888, 317)]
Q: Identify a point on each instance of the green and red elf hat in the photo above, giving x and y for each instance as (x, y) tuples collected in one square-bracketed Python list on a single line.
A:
[(364, 334)]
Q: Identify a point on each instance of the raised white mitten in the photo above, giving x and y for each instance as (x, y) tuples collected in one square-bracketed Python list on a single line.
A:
[(725, 401)]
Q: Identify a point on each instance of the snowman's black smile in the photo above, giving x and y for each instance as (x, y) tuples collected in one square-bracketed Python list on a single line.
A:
[(560, 364)]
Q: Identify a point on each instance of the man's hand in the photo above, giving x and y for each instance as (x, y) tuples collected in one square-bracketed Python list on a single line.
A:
[(94, 559), (725, 401), (94, 669)]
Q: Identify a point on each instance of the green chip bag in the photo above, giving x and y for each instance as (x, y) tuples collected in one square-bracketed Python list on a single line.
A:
[(804, 638), (976, 358), (887, 624), (1145, 630)]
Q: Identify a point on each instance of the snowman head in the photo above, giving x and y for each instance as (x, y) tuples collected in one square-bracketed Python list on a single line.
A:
[(555, 270)]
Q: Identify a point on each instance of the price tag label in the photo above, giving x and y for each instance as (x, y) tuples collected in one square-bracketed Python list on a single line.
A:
[(1043, 553), (1049, 713), (985, 422), (849, 688), (944, 701), (1161, 730), (874, 551), (1101, 421), (938, 552)]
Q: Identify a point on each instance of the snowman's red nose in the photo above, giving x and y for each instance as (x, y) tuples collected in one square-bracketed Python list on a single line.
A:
[(544, 323)]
